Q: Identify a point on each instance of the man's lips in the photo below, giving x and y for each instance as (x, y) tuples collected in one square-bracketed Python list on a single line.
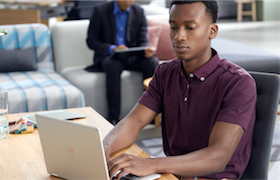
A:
[(180, 48)]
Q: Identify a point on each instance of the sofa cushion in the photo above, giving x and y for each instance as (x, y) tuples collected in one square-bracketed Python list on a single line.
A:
[(165, 49), (154, 34), (93, 85), (17, 60), (31, 91), (25, 36), (69, 47)]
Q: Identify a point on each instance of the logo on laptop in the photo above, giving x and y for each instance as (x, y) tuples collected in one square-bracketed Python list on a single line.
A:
[(71, 151)]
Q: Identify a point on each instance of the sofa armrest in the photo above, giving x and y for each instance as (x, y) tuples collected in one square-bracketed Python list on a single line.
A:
[(69, 44)]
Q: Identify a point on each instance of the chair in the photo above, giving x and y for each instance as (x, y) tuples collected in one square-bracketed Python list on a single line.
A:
[(241, 13), (268, 90)]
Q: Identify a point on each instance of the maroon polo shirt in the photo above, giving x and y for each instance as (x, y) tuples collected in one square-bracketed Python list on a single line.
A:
[(217, 91)]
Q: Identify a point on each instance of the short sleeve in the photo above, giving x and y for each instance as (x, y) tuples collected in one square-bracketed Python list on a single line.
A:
[(239, 103), (152, 97)]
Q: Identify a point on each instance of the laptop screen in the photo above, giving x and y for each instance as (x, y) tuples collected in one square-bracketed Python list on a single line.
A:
[(72, 150)]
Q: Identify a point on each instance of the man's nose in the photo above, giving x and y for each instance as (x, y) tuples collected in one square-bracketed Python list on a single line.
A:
[(181, 35)]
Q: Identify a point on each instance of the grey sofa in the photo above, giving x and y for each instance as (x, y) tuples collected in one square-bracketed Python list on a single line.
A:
[(72, 55), (27, 71)]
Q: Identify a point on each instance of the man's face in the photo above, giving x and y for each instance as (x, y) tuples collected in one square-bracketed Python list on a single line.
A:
[(190, 30), (124, 4)]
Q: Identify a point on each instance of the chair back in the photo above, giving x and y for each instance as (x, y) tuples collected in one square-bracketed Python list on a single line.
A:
[(268, 90)]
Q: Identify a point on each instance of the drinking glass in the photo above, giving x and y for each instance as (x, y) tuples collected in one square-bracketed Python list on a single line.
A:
[(4, 125)]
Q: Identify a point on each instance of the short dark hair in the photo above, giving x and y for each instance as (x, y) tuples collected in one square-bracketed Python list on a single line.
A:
[(211, 7)]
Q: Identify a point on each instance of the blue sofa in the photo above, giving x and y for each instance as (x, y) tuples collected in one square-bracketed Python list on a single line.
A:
[(27, 71)]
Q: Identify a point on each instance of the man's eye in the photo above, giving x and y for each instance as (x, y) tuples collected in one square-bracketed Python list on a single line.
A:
[(173, 28), (191, 28)]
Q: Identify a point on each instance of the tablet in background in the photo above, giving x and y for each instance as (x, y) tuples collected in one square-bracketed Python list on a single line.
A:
[(131, 49), (126, 53)]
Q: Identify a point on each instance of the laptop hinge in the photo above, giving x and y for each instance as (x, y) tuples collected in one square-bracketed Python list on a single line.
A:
[(53, 174)]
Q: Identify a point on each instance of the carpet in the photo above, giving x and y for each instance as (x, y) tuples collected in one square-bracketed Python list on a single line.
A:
[(152, 146)]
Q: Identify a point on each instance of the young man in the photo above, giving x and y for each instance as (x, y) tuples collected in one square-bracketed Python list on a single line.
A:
[(116, 25), (207, 105)]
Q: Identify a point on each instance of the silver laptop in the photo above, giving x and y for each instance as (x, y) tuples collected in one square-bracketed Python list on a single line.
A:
[(74, 151)]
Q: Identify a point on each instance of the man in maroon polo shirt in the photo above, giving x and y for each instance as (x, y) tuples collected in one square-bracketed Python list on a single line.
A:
[(207, 106)]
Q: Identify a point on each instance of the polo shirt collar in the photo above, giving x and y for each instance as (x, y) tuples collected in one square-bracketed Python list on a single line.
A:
[(204, 71), (117, 9)]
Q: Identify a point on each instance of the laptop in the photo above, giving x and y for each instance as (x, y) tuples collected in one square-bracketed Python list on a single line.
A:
[(74, 151)]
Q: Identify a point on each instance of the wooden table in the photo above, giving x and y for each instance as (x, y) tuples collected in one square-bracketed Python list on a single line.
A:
[(21, 155)]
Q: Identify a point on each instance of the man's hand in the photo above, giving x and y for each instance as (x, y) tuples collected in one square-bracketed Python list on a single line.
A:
[(149, 51), (122, 46), (131, 164), (107, 153)]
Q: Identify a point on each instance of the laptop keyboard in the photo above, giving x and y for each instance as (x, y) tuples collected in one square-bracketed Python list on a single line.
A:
[(128, 177)]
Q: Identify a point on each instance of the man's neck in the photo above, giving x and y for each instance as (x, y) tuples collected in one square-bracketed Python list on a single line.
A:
[(191, 65)]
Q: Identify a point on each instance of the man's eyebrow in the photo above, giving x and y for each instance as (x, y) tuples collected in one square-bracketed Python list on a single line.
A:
[(191, 21)]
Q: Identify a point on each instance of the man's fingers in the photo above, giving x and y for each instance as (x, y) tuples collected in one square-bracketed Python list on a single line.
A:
[(150, 48), (122, 173), (119, 163), (107, 158), (149, 51), (123, 168), (122, 46), (148, 55), (125, 163), (117, 159)]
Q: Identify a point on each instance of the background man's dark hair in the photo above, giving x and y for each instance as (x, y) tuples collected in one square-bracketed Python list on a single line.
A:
[(211, 7)]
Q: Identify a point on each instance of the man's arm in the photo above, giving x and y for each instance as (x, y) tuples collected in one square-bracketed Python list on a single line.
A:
[(223, 141), (127, 130)]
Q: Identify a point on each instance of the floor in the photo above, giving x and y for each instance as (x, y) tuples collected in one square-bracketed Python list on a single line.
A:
[(262, 35)]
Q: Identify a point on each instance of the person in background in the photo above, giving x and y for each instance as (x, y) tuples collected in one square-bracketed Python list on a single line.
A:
[(114, 25), (207, 106)]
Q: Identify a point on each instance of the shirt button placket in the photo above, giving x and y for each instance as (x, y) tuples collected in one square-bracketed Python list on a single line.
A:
[(187, 92), (191, 75)]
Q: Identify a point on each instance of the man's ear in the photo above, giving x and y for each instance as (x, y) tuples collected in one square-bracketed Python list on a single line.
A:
[(213, 31)]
